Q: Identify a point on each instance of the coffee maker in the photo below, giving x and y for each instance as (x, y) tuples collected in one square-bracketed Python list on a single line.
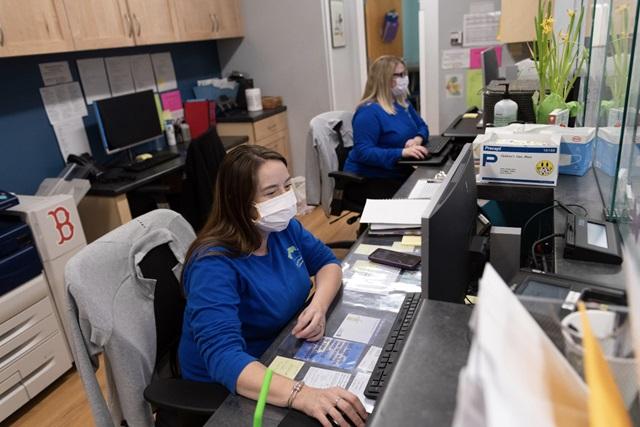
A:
[(244, 83)]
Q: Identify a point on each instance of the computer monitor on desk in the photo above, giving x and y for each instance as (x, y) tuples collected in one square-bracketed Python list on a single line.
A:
[(448, 224), (127, 121)]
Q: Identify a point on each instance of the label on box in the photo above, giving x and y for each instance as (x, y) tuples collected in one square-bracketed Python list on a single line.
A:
[(519, 163)]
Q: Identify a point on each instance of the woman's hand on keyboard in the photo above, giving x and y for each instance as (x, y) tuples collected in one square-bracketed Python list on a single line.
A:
[(415, 152), (331, 406)]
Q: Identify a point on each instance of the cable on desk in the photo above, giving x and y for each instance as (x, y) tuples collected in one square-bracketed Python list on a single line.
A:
[(557, 204), (537, 242)]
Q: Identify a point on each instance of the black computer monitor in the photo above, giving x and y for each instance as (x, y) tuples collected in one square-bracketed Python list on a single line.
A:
[(490, 69), (128, 120), (448, 225)]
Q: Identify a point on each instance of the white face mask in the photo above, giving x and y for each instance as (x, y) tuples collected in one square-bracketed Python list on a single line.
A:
[(276, 213), (401, 87)]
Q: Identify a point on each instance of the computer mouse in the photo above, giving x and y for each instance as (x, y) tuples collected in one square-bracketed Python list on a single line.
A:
[(143, 156)]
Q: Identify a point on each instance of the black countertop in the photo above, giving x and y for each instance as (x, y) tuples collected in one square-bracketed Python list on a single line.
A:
[(249, 116)]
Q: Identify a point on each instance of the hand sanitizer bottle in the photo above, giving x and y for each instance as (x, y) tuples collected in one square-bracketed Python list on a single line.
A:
[(506, 110)]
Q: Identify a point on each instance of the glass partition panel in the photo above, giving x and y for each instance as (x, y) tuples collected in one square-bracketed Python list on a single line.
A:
[(617, 107)]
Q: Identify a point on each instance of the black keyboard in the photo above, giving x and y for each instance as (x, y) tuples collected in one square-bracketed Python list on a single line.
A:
[(393, 345), (159, 157), (436, 144)]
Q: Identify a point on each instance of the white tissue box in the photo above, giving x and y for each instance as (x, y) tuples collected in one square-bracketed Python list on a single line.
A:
[(529, 159)]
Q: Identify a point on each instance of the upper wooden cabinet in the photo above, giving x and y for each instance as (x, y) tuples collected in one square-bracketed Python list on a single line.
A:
[(28, 27), (154, 21), (208, 19), (99, 24)]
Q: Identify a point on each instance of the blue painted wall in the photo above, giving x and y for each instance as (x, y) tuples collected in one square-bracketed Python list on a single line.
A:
[(410, 9), (28, 147)]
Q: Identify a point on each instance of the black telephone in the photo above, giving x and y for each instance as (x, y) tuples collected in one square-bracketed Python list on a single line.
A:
[(88, 166)]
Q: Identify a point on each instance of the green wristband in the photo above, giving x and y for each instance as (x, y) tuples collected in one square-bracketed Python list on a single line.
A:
[(262, 399)]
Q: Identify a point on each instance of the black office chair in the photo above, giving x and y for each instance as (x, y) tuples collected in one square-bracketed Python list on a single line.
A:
[(204, 156), (346, 184), (178, 402)]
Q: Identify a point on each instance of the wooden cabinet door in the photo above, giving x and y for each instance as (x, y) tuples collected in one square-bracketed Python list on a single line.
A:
[(196, 19), (227, 18), (154, 21), (99, 24), (29, 27)]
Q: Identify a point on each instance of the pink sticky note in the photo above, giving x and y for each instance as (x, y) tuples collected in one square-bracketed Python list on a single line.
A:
[(475, 60), (171, 100)]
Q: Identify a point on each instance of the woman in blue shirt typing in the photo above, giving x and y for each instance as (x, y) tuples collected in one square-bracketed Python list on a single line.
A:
[(246, 275), (386, 128)]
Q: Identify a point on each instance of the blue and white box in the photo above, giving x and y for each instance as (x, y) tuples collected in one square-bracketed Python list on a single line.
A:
[(576, 148), (607, 147), (521, 158)]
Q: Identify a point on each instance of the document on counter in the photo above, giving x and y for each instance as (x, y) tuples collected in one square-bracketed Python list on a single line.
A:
[(412, 240), (331, 352), (365, 249), (368, 362), (406, 212), (163, 69), (324, 378), (357, 328), (63, 102), (142, 71), (93, 76), (72, 137), (401, 247), (357, 387), (55, 73), (286, 367), (119, 72), (424, 189)]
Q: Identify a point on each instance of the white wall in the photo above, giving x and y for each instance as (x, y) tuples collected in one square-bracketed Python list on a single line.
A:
[(284, 51), (344, 62)]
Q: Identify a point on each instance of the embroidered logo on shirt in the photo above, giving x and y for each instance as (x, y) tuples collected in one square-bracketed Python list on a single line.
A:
[(294, 254)]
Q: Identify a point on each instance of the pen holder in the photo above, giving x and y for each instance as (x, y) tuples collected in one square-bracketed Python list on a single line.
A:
[(612, 330)]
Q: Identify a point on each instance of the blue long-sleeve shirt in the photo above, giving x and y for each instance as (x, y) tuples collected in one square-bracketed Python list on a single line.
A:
[(236, 307), (379, 137)]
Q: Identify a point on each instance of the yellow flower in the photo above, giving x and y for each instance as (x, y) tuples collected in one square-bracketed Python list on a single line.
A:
[(563, 36), (571, 13)]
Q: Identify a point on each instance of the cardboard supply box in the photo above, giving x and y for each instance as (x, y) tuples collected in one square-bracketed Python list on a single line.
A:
[(529, 159)]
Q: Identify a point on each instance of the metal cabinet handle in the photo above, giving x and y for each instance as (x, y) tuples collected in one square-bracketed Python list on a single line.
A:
[(217, 22), (129, 24), (137, 23), (1, 37), (213, 23)]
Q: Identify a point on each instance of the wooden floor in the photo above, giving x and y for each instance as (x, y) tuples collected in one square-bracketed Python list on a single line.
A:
[(64, 403)]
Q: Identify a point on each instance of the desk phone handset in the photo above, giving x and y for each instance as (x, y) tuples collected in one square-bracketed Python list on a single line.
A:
[(88, 166)]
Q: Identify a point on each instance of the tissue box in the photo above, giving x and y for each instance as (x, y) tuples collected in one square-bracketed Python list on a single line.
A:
[(576, 149), (607, 146), (530, 159)]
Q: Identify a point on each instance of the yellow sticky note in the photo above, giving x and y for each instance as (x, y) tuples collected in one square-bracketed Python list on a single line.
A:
[(474, 88), (400, 247), (286, 367), (470, 116), (365, 249), (412, 240), (606, 407)]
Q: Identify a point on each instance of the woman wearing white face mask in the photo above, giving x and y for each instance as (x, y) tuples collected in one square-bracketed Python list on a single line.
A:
[(386, 128), (246, 275)]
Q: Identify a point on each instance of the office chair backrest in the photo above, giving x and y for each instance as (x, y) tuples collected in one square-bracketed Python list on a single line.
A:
[(168, 305), (342, 152), (204, 156)]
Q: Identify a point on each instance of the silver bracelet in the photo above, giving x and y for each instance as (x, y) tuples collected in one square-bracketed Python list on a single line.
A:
[(294, 392)]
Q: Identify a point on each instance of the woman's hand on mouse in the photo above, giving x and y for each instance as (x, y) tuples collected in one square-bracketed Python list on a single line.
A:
[(310, 324), (334, 402), (415, 151)]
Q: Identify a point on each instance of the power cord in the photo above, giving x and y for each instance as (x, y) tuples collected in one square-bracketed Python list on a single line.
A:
[(537, 242), (557, 204)]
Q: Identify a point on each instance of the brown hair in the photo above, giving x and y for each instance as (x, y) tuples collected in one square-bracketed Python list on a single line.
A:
[(378, 87), (230, 222)]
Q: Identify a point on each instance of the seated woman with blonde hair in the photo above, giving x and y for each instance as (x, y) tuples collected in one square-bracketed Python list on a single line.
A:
[(386, 128)]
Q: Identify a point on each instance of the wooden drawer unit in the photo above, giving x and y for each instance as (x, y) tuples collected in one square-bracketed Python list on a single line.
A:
[(271, 132)]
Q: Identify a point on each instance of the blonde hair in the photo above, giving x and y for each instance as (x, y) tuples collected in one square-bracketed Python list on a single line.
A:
[(378, 87)]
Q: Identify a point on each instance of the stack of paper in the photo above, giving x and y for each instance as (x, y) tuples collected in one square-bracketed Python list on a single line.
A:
[(394, 213)]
